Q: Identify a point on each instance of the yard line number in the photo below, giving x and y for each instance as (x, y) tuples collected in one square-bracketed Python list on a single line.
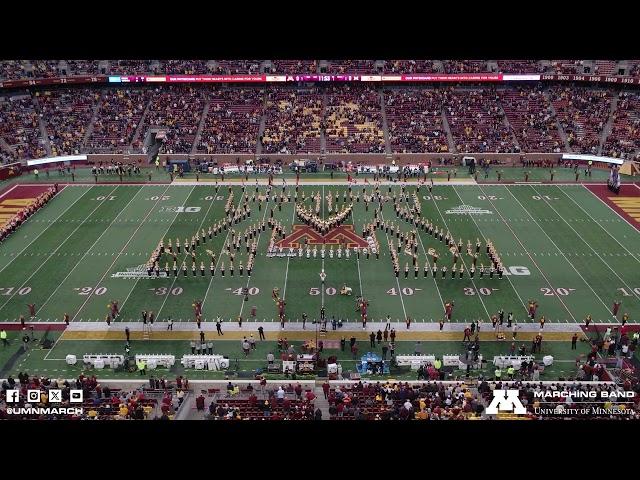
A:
[(163, 290), (105, 197), (482, 291), (550, 292), (408, 291), (88, 290), (8, 291)]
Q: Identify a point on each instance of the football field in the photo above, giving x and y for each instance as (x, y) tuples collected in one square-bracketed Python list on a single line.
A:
[(563, 247)]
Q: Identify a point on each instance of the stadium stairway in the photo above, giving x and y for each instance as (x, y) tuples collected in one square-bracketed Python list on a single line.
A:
[(323, 115), (4, 146), (203, 116), (447, 129), (92, 122), (385, 125), (561, 131), (609, 125), (141, 123), (43, 127)]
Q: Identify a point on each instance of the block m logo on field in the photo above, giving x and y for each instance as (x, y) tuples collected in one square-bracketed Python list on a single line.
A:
[(506, 401)]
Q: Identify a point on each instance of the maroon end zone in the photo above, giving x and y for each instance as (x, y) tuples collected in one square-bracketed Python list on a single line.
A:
[(626, 204), (17, 197)]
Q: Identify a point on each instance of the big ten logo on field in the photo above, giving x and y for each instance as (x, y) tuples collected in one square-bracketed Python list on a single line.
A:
[(506, 401), (179, 209)]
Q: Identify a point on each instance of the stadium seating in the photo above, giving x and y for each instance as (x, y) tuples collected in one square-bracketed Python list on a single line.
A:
[(583, 113), (476, 121), (624, 139), (67, 114), (354, 120), (232, 123), (178, 108), (414, 118), (532, 119), (118, 116), (19, 127), (293, 121)]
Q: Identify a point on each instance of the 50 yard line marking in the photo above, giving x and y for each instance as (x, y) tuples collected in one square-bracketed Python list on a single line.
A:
[(101, 202), (46, 228), (122, 249)]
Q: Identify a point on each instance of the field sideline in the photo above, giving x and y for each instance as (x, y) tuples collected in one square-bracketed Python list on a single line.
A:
[(580, 256)]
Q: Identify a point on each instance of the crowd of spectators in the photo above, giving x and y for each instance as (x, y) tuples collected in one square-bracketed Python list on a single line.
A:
[(117, 119), (476, 120), (178, 108), (293, 121), (12, 69), (294, 66), (520, 66), (129, 67), (237, 67), (19, 127), (82, 67), (532, 119), (354, 120), (398, 401), (337, 67), (624, 139), (465, 66), (184, 67), (99, 402), (45, 68), (67, 113), (414, 119), (409, 66), (583, 113), (283, 403), (233, 120), (566, 67)]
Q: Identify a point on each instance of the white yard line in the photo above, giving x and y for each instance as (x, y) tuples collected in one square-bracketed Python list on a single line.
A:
[(163, 236), (485, 241), (43, 231), (184, 260), (122, 249), (286, 273), (404, 310), (10, 190), (264, 215), (561, 252), (58, 247), (526, 251), (86, 253), (592, 249), (220, 256), (462, 260)]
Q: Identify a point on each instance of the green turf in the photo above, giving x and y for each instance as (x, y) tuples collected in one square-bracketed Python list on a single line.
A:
[(64, 257)]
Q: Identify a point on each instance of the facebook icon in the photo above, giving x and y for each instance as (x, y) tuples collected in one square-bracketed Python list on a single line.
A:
[(13, 396)]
